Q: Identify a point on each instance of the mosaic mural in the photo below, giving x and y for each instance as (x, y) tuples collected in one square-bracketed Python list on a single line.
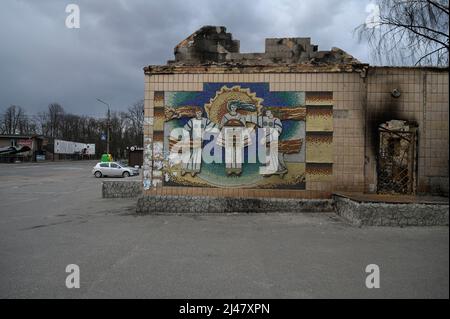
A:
[(229, 142)]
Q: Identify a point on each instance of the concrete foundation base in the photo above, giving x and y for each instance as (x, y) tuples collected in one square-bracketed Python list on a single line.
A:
[(197, 204), (358, 209), (121, 189)]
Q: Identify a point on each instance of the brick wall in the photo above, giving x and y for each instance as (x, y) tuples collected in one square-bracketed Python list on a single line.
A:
[(359, 103), (423, 99)]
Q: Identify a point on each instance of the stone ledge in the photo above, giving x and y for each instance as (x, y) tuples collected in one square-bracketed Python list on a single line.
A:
[(391, 214), (121, 189), (358, 213), (158, 204)]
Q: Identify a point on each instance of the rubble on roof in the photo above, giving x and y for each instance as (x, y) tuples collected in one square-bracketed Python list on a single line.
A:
[(213, 45)]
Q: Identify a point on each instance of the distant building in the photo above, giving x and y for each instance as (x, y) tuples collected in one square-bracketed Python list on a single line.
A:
[(22, 147), (32, 148)]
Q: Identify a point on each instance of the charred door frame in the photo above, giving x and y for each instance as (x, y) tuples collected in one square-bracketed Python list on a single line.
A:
[(397, 173)]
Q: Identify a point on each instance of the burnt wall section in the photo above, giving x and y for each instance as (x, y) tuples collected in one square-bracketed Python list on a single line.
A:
[(418, 96), (212, 44), (388, 214), (156, 204)]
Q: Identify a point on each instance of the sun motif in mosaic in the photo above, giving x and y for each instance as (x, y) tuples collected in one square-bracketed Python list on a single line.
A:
[(218, 105)]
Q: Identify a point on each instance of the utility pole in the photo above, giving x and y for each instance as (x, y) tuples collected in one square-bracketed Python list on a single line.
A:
[(107, 124)]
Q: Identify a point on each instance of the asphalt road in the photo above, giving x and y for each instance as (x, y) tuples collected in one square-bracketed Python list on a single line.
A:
[(52, 215)]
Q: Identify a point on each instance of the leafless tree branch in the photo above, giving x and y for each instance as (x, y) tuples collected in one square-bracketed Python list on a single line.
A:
[(409, 32)]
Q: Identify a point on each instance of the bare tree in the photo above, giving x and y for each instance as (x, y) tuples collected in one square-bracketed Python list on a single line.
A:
[(135, 116), (55, 118), (41, 120), (406, 32), (13, 120), (27, 125)]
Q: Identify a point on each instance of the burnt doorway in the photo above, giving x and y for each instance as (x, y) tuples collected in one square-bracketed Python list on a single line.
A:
[(397, 157)]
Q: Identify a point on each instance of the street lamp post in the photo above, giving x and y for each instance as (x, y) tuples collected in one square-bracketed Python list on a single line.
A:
[(107, 124)]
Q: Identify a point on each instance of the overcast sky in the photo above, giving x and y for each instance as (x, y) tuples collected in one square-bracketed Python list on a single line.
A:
[(42, 61)]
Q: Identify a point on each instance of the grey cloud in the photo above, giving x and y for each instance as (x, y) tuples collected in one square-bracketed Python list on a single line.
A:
[(41, 61)]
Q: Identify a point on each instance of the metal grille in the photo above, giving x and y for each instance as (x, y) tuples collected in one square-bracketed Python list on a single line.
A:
[(396, 161)]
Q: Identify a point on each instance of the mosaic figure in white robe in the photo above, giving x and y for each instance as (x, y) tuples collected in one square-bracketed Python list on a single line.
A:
[(196, 127), (272, 129), (234, 136)]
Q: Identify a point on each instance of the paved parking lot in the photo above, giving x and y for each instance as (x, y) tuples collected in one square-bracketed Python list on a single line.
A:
[(52, 215)]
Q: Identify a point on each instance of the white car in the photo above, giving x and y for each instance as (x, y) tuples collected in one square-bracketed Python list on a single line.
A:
[(113, 169)]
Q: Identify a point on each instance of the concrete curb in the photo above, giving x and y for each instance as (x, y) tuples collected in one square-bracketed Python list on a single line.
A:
[(391, 214)]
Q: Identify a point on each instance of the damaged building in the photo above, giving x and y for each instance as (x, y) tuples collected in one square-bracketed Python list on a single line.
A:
[(343, 125)]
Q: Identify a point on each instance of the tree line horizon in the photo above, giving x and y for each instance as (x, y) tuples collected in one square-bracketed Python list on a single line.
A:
[(126, 127)]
